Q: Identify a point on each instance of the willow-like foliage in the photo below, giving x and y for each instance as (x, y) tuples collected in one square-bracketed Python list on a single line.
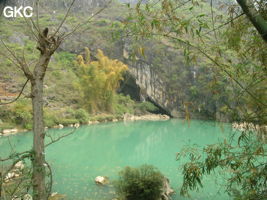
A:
[(222, 39)]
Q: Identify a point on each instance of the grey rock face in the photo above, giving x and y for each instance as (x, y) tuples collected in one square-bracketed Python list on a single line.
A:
[(152, 87)]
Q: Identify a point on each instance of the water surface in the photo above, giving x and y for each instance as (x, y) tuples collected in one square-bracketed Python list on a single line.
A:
[(105, 149)]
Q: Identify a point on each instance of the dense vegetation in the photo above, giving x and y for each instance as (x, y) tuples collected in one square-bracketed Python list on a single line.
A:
[(65, 101), (143, 183), (234, 54), (212, 62), (99, 81)]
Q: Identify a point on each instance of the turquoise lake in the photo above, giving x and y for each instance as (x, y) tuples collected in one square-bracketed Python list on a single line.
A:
[(105, 149)]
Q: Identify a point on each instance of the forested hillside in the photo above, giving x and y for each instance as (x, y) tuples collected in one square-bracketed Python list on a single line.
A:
[(161, 76), (63, 104), (82, 62)]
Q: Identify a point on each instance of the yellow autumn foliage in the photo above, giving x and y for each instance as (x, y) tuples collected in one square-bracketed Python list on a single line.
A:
[(98, 81)]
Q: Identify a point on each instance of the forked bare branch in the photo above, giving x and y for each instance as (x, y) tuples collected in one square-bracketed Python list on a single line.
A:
[(20, 93), (64, 19), (59, 138), (75, 29), (20, 63)]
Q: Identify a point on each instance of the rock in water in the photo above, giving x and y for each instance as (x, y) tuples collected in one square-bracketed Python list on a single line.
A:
[(167, 190), (56, 196), (101, 180)]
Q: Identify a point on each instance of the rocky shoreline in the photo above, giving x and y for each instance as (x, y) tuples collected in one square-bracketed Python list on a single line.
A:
[(126, 117), (261, 131)]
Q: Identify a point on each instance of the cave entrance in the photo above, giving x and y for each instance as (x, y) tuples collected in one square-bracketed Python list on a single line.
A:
[(129, 87), (159, 110)]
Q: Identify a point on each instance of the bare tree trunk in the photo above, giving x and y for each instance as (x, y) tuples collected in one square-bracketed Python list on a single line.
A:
[(38, 162), (38, 176)]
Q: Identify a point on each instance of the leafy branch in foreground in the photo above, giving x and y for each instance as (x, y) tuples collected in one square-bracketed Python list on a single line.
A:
[(243, 160), (234, 51)]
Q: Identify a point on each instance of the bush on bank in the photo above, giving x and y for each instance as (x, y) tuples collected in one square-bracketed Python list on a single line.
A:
[(143, 183)]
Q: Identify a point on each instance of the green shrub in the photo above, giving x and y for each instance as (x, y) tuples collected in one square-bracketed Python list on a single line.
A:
[(67, 122), (19, 113), (102, 117), (81, 115), (143, 183), (146, 107), (50, 118), (123, 104)]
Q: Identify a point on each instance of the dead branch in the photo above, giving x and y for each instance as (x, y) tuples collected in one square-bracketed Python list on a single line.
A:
[(30, 27), (64, 19), (59, 138), (21, 91), (11, 167), (222, 67), (11, 60), (20, 63), (87, 21), (12, 156), (49, 187), (37, 14)]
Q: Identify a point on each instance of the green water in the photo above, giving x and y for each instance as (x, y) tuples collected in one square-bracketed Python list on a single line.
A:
[(104, 150)]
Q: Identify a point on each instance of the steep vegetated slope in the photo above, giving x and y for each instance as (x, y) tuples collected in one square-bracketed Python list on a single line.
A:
[(63, 103), (158, 73)]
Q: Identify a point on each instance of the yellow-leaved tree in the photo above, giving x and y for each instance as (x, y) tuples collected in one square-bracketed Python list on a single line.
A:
[(98, 81)]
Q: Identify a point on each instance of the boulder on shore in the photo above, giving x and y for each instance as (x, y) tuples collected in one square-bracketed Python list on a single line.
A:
[(19, 165), (167, 190), (10, 131), (148, 117)]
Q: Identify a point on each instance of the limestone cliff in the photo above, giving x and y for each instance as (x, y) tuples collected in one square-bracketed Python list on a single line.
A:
[(152, 87)]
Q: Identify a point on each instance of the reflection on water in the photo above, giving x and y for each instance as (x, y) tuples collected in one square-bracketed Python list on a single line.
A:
[(104, 149)]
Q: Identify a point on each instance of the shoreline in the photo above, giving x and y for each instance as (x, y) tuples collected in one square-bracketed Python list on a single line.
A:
[(95, 120)]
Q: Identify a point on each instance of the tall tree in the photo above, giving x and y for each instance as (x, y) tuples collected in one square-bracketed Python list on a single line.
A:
[(47, 43)]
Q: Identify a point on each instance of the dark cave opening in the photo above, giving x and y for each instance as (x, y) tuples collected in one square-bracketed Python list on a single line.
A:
[(129, 87)]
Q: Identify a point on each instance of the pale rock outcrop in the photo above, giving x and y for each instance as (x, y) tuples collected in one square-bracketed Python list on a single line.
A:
[(19, 165), (77, 125), (148, 117), (167, 190), (93, 122), (10, 131), (101, 180), (27, 197)]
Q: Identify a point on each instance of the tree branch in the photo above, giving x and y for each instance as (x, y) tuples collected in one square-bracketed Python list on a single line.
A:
[(88, 20), (59, 138), (64, 19), (222, 67), (255, 17), (22, 65), (12, 156), (21, 91)]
